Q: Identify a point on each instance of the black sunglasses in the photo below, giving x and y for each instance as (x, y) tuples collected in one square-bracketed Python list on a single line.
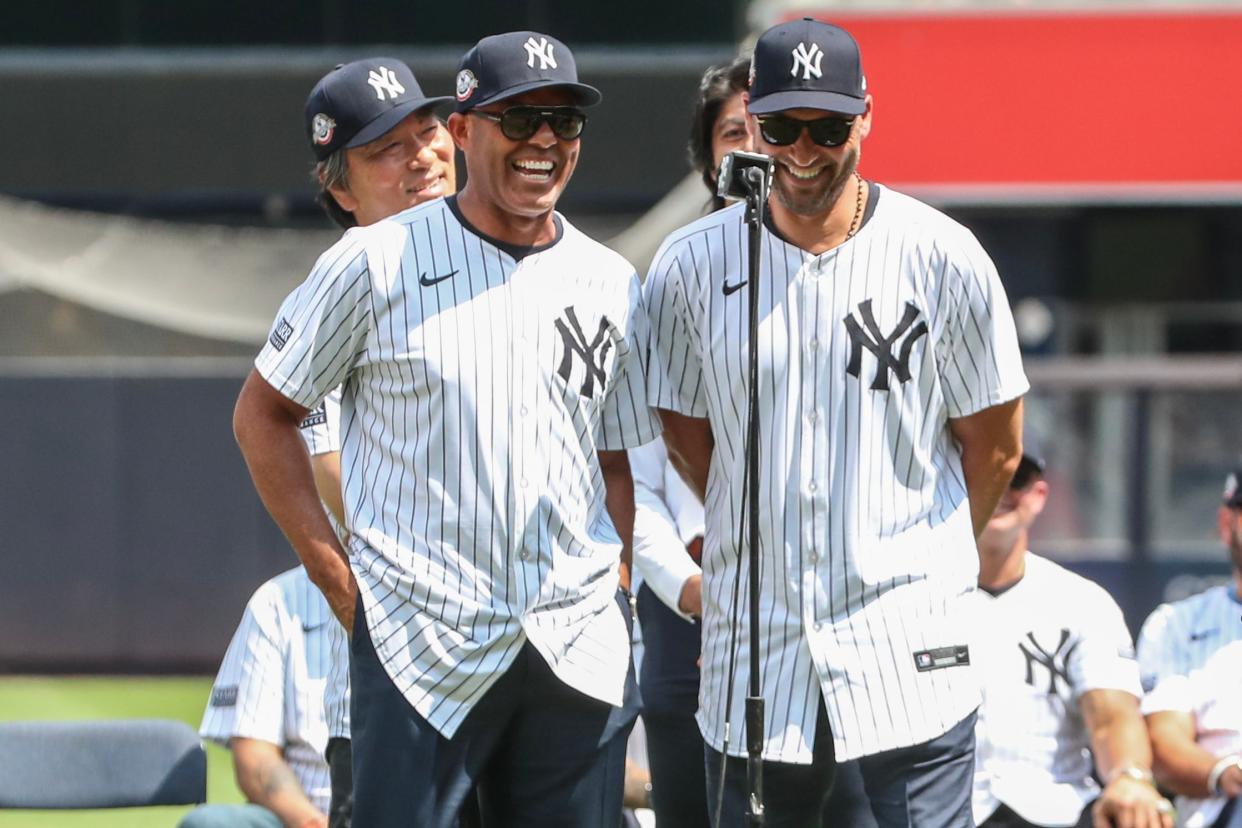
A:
[(518, 123), (781, 130)]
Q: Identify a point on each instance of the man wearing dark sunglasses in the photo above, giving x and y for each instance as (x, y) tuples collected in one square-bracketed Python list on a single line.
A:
[(1060, 685), (489, 354), (891, 387)]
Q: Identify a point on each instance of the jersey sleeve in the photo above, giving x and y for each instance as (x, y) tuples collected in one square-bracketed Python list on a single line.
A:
[(1157, 652), (626, 419), (659, 553), (248, 697), (321, 428), (1104, 658), (321, 330), (336, 688), (980, 362), (685, 506), (675, 377)]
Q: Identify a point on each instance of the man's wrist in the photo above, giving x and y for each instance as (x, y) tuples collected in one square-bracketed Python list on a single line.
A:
[(1218, 770), (1134, 772)]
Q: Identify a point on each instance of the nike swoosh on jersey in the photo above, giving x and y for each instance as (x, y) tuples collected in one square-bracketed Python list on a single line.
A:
[(1202, 634), (312, 627), (728, 288), (425, 282)]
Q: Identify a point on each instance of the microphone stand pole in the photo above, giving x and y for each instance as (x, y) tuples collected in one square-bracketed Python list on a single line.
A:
[(756, 205)]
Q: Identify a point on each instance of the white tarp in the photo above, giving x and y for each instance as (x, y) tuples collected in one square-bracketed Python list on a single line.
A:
[(224, 283)]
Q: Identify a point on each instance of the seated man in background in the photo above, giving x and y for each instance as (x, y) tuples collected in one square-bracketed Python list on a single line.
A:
[(1059, 677), (1196, 734), (266, 706), (1180, 637)]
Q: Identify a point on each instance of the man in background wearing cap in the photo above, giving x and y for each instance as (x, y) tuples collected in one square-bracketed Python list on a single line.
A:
[(1181, 636), (378, 151), (1060, 685), (492, 381), (1192, 692), (890, 425)]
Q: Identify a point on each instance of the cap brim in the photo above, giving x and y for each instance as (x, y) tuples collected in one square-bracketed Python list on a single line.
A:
[(585, 95), (807, 99), (394, 116)]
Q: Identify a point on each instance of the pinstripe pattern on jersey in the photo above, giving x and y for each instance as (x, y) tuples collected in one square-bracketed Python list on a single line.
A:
[(472, 488), (336, 688), (866, 529), (1181, 636), (277, 662), (321, 431), (1210, 694), (1039, 646)]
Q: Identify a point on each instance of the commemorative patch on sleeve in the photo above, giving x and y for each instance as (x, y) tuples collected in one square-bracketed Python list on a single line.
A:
[(941, 657), (280, 334), (224, 696), (317, 416)]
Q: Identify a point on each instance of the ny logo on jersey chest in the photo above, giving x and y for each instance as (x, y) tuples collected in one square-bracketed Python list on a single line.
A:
[(593, 353), (869, 336), (1055, 662)]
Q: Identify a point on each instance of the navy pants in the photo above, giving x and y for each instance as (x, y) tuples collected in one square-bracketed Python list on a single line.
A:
[(537, 752), (794, 795), (1005, 817), (670, 688), (926, 785)]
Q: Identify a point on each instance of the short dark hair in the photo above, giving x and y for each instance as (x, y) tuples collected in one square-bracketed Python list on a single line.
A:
[(333, 171), (1028, 472), (719, 83)]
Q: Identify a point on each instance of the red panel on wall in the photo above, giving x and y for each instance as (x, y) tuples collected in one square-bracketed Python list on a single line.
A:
[(1014, 105)]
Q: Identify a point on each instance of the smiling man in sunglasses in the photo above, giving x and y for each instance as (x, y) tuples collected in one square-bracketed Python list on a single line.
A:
[(489, 354), (889, 427)]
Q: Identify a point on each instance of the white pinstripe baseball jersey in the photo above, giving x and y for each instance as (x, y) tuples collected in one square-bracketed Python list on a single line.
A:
[(479, 383), (321, 431), (865, 352), (270, 685), (1179, 637), (1039, 646), (659, 543), (1213, 694)]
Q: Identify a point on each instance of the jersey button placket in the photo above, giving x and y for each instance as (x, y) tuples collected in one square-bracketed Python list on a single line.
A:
[(526, 371)]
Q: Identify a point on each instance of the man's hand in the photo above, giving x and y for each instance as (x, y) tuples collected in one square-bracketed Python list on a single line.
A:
[(1127, 802), (691, 599)]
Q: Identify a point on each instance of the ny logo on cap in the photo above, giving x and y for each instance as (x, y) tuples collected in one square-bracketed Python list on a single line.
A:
[(808, 59), (541, 50), (384, 81)]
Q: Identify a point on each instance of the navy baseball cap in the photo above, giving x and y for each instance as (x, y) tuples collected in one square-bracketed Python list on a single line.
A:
[(358, 102), (807, 63), (1232, 496), (505, 65), (1032, 450)]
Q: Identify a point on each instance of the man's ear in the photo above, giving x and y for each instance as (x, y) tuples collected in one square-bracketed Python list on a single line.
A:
[(459, 129), (864, 126)]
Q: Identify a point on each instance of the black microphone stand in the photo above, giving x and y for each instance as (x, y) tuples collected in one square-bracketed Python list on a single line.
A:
[(756, 205)]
